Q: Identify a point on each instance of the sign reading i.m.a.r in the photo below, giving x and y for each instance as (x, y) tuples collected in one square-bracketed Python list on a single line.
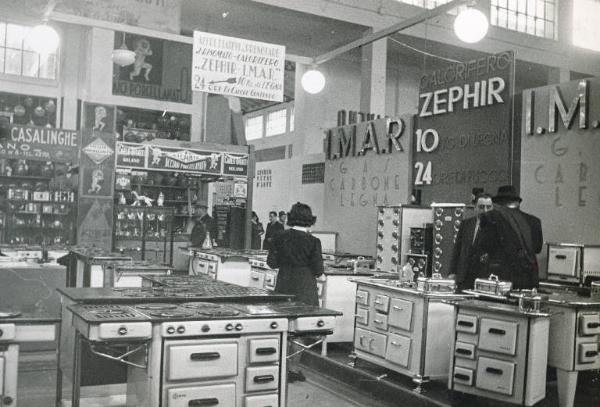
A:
[(463, 136), (367, 164), (560, 146)]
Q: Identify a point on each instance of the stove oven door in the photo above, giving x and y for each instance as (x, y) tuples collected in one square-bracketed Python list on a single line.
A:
[(202, 396), (202, 361)]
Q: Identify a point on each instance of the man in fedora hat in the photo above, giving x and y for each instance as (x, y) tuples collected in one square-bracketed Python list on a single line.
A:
[(522, 238), (507, 197)]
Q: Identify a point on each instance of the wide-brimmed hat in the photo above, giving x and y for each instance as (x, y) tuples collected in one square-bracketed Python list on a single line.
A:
[(506, 193)]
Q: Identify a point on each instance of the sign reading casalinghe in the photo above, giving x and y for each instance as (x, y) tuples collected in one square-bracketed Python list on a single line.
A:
[(237, 67)]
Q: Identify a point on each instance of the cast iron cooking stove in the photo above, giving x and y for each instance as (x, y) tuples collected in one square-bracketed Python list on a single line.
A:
[(198, 353)]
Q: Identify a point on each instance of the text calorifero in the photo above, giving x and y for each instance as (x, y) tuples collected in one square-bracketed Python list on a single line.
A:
[(486, 92), (380, 136)]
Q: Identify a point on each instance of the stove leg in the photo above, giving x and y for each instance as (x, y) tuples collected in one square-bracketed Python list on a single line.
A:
[(59, 385), (324, 347), (76, 371), (567, 384), (353, 359)]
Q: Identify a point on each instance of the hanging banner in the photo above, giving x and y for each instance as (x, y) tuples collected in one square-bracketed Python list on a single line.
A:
[(161, 70), (184, 160), (235, 164), (41, 144), (131, 155), (237, 67), (463, 129)]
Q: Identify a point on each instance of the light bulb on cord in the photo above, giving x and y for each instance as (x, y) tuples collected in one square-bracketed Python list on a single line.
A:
[(42, 39), (313, 81), (471, 25)]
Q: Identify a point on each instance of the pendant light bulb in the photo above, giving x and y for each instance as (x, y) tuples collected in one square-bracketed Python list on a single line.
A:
[(42, 39), (471, 25), (123, 56), (313, 81)]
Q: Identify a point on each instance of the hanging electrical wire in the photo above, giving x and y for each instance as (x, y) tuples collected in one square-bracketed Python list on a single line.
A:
[(423, 52)]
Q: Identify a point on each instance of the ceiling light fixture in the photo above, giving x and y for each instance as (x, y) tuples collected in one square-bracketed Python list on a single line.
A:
[(471, 25), (42, 39), (313, 81), (123, 56)]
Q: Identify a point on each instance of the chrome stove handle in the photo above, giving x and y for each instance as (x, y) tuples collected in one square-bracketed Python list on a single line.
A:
[(371, 343), (203, 402), (360, 341)]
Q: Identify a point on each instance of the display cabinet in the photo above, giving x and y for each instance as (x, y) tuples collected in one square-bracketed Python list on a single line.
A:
[(36, 209), (144, 233)]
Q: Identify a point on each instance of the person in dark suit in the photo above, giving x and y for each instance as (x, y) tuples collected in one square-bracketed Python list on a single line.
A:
[(203, 223), (257, 231), (476, 253), (522, 237), (298, 256), (273, 227)]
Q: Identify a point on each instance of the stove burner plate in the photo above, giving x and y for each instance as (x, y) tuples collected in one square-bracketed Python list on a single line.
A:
[(170, 314), (156, 306), (111, 311), (218, 312), (201, 305), (9, 314)]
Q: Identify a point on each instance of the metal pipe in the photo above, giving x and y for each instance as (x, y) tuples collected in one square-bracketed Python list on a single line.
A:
[(402, 25)]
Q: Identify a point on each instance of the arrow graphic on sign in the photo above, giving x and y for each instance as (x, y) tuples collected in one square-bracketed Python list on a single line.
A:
[(228, 80)]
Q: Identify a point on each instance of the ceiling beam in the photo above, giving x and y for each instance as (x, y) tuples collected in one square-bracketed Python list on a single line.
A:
[(402, 25)]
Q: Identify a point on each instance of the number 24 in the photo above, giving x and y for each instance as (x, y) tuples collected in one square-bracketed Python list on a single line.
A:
[(423, 173)]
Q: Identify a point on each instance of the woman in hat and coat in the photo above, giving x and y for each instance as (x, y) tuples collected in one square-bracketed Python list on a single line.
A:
[(297, 254)]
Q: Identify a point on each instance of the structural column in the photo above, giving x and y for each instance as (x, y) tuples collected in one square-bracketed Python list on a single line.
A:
[(373, 77)]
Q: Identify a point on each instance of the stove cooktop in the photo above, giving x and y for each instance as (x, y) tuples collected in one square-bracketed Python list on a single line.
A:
[(202, 311)]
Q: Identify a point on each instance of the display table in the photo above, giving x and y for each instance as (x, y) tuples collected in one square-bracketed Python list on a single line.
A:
[(86, 267), (228, 265), (574, 340), (31, 287)]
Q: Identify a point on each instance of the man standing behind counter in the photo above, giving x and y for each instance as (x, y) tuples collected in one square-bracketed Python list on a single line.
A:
[(203, 223), (474, 242), (273, 227)]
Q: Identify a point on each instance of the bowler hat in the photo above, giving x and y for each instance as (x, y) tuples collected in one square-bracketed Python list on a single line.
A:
[(506, 193), (282, 213)]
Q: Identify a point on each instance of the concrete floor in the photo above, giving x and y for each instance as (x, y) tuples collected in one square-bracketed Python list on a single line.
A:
[(37, 388)]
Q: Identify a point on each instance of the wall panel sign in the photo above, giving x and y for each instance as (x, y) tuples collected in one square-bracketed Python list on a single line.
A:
[(131, 155), (463, 136), (237, 67), (560, 146), (160, 15), (41, 144), (184, 160), (161, 70), (235, 164), (367, 164)]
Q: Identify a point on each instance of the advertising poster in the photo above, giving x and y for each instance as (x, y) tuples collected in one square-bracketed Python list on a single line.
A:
[(97, 164), (41, 144), (237, 67), (131, 155), (161, 70), (235, 164), (184, 160), (463, 129), (99, 117)]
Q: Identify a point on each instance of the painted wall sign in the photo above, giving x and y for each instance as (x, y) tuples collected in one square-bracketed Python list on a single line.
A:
[(237, 67), (560, 146), (131, 155), (463, 136), (41, 143), (160, 15), (357, 183), (235, 164), (184, 160), (381, 136), (161, 70)]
